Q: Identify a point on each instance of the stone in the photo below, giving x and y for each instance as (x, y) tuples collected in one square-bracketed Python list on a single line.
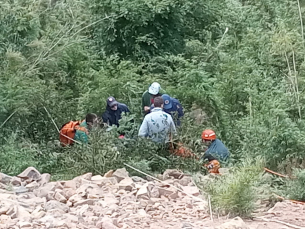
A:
[(50, 195), (43, 191), (154, 192), (106, 223), (138, 179), (70, 184), (53, 204), (101, 181), (143, 192), (236, 223), (24, 224), (59, 197), (126, 184), (82, 179), (172, 173), (31, 186), (5, 179), (45, 178), (83, 202), (16, 181), (109, 173), (166, 191), (68, 192), (75, 198), (191, 190), (185, 180), (30, 173), (120, 174)]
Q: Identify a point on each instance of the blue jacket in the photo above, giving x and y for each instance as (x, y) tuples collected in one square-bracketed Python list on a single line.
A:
[(218, 150), (112, 117), (176, 111)]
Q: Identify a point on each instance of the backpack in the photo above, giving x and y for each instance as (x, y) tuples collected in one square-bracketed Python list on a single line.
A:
[(67, 132)]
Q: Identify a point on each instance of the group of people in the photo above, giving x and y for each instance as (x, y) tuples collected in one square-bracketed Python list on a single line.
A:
[(162, 114)]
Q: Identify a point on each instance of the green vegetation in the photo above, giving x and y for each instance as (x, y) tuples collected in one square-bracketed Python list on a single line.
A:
[(240, 61)]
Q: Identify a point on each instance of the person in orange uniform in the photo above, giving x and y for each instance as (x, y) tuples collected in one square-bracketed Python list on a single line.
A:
[(215, 151)]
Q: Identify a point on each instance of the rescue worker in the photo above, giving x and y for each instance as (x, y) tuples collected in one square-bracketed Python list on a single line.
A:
[(149, 95), (114, 111), (173, 107), (81, 134), (157, 125), (216, 150)]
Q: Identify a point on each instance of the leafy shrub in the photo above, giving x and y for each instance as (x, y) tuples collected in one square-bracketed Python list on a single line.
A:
[(236, 193), (295, 188)]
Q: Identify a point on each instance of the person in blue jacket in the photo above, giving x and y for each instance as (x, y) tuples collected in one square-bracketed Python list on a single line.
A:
[(114, 111), (216, 149), (173, 107)]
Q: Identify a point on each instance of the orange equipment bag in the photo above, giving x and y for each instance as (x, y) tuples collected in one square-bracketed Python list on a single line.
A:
[(213, 166), (67, 132), (180, 150)]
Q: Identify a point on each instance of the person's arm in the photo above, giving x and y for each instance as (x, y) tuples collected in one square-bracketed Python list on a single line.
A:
[(105, 117), (143, 131), (180, 110)]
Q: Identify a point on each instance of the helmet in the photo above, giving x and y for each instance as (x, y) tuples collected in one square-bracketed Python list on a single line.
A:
[(154, 88), (208, 135)]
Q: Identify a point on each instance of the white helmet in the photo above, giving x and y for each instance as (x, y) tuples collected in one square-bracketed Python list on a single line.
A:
[(154, 88)]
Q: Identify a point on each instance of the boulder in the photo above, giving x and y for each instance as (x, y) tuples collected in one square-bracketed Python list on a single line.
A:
[(45, 178), (236, 223), (106, 223), (68, 192), (5, 179), (83, 202), (109, 173), (172, 173), (82, 179), (31, 186), (185, 181), (166, 191), (43, 191), (101, 181), (143, 192), (59, 197), (126, 184), (16, 181), (30, 173), (70, 184), (84, 189), (120, 174)]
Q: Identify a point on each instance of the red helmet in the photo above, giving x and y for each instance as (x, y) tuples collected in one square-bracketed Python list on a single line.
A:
[(208, 135)]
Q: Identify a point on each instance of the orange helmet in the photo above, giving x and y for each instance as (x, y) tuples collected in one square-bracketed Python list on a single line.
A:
[(208, 135)]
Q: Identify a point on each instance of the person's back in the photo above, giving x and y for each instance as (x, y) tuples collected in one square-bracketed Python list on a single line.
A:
[(88, 123), (218, 149), (114, 111), (157, 125), (173, 107)]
